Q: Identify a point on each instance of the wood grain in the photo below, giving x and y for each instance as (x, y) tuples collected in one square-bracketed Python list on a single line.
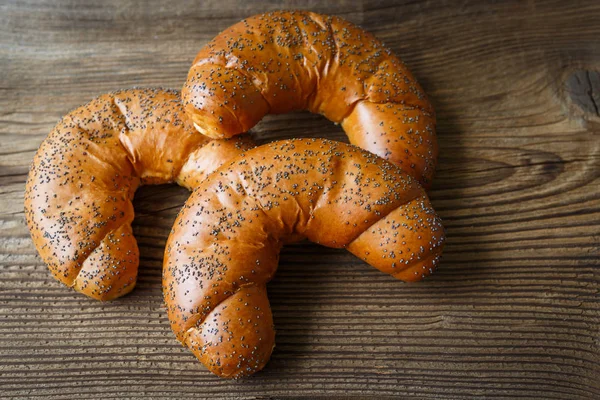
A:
[(514, 311)]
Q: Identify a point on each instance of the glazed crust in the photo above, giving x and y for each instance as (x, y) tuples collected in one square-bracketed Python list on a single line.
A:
[(283, 61), (225, 243), (83, 177)]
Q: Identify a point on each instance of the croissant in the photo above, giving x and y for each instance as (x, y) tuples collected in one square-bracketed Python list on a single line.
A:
[(283, 61), (225, 242), (81, 183)]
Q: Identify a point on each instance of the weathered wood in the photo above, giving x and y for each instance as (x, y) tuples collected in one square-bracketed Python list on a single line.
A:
[(514, 311)]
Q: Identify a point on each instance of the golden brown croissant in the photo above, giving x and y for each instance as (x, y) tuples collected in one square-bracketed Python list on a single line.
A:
[(225, 243), (282, 61), (83, 177)]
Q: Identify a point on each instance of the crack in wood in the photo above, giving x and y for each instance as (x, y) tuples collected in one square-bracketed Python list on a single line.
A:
[(583, 87)]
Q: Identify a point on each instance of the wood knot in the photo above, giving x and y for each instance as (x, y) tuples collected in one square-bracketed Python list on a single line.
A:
[(583, 87)]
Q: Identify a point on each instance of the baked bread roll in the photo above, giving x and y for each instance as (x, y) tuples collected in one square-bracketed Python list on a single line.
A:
[(283, 61), (225, 242), (83, 177)]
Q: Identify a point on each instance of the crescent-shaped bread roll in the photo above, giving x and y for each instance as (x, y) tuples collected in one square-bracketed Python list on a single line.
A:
[(225, 243), (283, 61), (83, 177)]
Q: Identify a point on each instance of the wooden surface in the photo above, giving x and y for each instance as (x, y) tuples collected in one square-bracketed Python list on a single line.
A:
[(514, 310)]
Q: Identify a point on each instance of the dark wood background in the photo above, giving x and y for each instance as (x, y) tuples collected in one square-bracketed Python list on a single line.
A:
[(514, 311)]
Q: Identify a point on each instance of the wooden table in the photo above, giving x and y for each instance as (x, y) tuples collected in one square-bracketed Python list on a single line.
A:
[(514, 311)]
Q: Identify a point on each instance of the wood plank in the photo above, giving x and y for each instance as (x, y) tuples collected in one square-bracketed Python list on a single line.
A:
[(514, 310)]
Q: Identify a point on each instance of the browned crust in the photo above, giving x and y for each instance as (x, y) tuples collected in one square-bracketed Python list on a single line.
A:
[(224, 246)]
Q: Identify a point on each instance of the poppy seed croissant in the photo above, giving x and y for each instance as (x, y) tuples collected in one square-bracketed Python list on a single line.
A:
[(82, 180), (225, 242), (282, 61)]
